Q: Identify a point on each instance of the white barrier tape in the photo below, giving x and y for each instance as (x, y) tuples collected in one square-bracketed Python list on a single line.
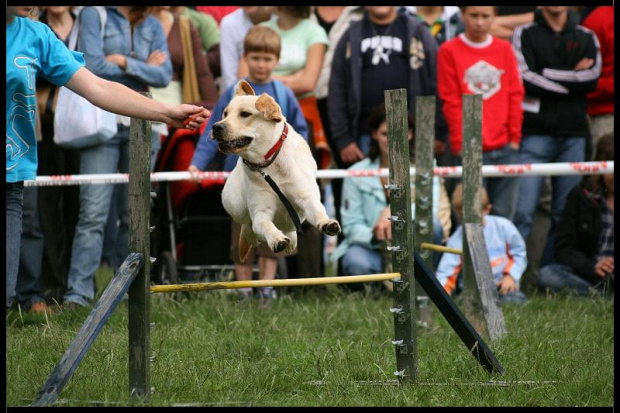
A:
[(488, 171)]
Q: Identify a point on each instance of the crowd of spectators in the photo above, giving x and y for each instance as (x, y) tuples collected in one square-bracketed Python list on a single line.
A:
[(545, 75)]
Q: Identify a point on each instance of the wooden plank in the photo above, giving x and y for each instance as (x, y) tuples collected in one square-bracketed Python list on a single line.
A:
[(423, 229), (288, 282), (93, 324), (472, 202), (402, 235), (139, 237), (489, 297), (459, 323)]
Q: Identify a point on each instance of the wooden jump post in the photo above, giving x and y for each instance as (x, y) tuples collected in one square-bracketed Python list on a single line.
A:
[(423, 228), (85, 337), (133, 277), (399, 186), (479, 295), (403, 260), (139, 237)]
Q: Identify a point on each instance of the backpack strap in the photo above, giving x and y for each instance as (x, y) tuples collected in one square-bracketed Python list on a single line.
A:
[(281, 97)]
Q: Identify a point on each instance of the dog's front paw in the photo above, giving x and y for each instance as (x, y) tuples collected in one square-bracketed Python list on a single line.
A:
[(280, 245), (329, 227)]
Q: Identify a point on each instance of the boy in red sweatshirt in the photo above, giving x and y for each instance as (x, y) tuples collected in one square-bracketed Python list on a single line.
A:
[(601, 101), (477, 63)]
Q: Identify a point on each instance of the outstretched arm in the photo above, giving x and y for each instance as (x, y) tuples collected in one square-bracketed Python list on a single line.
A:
[(118, 98)]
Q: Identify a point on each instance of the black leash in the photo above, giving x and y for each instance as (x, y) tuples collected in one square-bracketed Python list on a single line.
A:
[(284, 199)]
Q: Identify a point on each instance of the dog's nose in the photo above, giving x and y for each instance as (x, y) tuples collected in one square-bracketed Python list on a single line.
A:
[(218, 131)]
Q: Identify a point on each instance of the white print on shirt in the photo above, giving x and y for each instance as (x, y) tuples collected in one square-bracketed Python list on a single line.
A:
[(15, 149), (416, 50), (483, 78), (383, 47)]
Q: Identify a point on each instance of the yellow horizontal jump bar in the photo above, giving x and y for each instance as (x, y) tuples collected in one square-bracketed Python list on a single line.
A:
[(272, 283), (440, 248)]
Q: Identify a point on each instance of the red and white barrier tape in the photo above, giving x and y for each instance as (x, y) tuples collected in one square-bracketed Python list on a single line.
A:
[(488, 171)]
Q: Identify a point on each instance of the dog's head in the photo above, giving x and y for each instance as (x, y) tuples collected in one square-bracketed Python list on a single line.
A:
[(248, 122)]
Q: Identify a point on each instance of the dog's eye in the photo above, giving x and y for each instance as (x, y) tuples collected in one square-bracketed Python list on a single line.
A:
[(225, 113), (245, 114)]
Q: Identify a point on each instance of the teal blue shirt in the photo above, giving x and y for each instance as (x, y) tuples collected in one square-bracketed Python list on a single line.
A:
[(363, 200), (32, 50)]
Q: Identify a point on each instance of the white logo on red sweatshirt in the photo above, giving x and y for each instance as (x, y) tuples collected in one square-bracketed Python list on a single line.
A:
[(483, 78)]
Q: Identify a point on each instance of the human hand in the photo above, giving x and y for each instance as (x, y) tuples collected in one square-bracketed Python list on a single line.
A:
[(193, 170), (351, 153), (157, 58), (507, 285), (118, 59), (514, 146), (383, 227), (187, 116), (604, 266), (584, 64)]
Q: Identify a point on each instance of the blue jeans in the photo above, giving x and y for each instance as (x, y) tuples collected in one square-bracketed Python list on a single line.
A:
[(111, 157), (502, 192), (14, 199), (113, 255), (558, 277), (110, 253), (359, 260), (542, 149), (364, 143), (29, 288), (155, 147)]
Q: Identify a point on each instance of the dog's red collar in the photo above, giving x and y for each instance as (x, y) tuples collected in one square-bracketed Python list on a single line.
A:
[(273, 152), (278, 144)]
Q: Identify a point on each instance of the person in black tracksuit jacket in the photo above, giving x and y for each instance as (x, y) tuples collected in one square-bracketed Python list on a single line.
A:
[(559, 62), (584, 243), (352, 61)]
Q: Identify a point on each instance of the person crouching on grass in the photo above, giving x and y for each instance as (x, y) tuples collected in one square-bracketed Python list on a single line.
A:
[(505, 246)]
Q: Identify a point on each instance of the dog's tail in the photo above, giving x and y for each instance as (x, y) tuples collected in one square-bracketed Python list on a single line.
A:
[(245, 246)]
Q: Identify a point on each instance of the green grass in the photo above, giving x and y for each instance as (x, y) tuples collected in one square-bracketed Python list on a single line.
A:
[(333, 350)]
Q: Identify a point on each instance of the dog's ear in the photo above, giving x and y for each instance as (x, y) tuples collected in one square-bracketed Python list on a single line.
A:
[(243, 88), (269, 107)]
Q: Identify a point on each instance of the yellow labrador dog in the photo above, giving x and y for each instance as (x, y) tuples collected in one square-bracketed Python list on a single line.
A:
[(254, 128)]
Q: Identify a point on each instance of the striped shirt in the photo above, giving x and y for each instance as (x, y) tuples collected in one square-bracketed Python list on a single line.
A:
[(606, 239)]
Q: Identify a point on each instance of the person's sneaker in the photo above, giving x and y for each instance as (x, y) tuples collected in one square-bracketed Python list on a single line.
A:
[(40, 307), (266, 295), (69, 307), (244, 296)]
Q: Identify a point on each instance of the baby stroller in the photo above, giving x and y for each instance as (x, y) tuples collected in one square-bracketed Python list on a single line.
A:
[(191, 239)]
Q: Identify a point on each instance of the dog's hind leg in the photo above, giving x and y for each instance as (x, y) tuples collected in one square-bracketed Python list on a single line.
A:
[(247, 241), (263, 226), (293, 244)]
